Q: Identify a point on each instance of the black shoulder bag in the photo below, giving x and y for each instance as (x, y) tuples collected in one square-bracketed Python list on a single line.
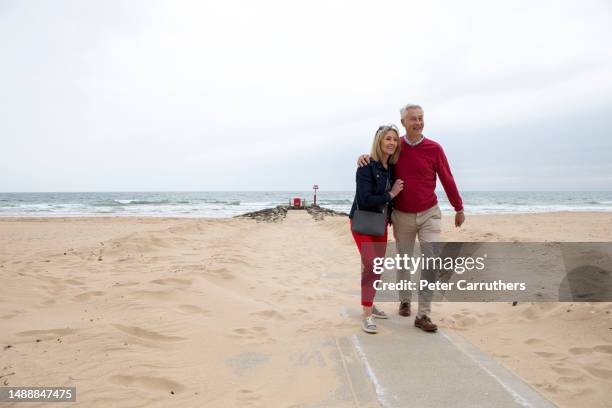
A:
[(369, 222)]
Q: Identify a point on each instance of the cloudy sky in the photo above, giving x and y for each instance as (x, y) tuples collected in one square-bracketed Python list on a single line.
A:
[(225, 95)]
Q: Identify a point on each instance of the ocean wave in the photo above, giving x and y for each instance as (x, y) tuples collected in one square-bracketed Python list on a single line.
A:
[(215, 201), (107, 203), (124, 202), (149, 202)]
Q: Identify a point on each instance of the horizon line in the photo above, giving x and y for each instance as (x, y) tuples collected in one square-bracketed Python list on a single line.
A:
[(287, 191)]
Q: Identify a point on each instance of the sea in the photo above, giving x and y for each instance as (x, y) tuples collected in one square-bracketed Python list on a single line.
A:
[(223, 204)]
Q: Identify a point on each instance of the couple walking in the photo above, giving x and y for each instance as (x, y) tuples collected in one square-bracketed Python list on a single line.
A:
[(398, 179)]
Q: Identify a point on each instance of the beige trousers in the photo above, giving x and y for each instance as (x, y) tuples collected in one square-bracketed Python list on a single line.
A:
[(406, 227)]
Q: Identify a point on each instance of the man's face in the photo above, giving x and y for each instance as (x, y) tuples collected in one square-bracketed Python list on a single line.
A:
[(413, 122)]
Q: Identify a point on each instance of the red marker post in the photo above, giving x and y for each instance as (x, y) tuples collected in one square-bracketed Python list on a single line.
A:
[(315, 188)]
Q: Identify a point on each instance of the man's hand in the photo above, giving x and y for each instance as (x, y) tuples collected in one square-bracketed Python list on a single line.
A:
[(459, 218), (363, 160)]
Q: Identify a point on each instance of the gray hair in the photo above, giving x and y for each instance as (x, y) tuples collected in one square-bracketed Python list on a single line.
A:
[(407, 108)]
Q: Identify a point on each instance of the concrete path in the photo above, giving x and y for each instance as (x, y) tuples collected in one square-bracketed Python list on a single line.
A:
[(403, 366)]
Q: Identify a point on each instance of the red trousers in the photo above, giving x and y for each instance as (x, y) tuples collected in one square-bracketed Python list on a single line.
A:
[(368, 253)]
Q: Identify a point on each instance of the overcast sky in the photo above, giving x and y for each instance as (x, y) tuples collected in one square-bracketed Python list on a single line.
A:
[(224, 95)]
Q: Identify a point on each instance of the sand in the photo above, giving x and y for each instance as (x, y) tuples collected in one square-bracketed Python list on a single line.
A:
[(162, 312)]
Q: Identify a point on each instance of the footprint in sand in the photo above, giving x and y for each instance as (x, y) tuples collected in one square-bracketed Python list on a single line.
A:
[(571, 380), (550, 356), (258, 334), (148, 383), (12, 314), (559, 369), (192, 309), (601, 373), (306, 328), (530, 314), (48, 334), (580, 350), (533, 341), (121, 284), (552, 388), (222, 273), (85, 296), (464, 320), (154, 294), (269, 314), (302, 314), (246, 396), (603, 348), (488, 315), (231, 259), (578, 392), (74, 282), (49, 279), (174, 282), (281, 294), (146, 334), (487, 235)]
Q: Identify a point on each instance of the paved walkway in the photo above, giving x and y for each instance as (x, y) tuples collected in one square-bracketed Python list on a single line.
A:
[(405, 367)]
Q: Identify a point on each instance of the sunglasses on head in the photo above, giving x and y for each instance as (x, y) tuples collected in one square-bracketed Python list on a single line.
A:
[(387, 127)]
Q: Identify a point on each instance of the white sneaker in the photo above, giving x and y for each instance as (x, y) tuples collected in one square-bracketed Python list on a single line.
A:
[(379, 314), (368, 325)]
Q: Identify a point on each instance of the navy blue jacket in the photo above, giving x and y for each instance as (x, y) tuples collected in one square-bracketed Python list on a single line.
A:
[(371, 194)]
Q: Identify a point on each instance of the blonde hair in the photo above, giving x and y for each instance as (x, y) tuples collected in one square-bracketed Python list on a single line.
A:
[(376, 152)]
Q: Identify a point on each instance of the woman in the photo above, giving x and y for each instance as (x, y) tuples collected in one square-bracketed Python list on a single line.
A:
[(374, 193)]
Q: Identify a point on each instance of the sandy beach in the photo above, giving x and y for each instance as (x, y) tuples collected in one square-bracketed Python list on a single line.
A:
[(162, 312)]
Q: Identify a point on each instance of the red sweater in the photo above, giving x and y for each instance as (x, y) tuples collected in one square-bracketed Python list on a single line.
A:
[(418, 166)]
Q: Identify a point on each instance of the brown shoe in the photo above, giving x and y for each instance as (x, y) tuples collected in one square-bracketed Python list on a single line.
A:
[(425, 323), (404, 309)]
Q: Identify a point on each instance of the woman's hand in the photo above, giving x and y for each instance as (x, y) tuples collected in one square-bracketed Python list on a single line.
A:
[(398, 186)]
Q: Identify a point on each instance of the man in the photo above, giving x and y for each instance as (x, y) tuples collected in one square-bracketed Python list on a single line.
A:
[(415, 209)]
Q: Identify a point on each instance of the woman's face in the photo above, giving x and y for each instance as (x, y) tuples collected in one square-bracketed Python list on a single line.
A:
[(389, 142)]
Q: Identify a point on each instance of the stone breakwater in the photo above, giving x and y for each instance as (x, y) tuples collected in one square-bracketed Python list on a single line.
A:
[(278, 213)]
